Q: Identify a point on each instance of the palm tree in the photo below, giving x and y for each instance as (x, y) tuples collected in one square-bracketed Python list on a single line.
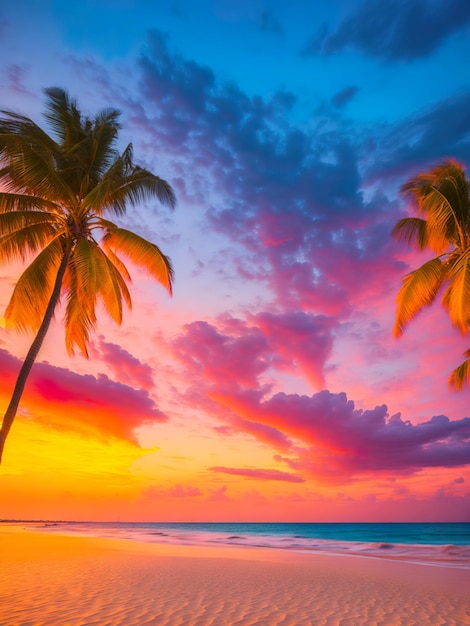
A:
[(442, 199), (54, 195)]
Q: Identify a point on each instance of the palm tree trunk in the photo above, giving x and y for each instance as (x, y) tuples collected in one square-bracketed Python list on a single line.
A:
[(12, 409)]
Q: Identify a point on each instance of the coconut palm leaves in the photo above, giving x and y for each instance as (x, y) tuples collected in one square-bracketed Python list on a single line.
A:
[(441, 197), (55, 191)]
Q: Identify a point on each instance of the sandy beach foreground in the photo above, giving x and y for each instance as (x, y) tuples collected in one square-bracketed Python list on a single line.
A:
[(60, 580)]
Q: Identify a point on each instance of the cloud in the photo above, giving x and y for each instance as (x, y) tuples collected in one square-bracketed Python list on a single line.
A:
[(218, 495), (62, 399), (344, 96), (346, 441), (238, 352), (263, 432), (175, 491), (125, 366), (269, 23), (228, 131), (411, 145), (16, 75), (395, 30), (267, 434), (298, 340), (260, 474), (222, 358), (290, 199), (292, 202)]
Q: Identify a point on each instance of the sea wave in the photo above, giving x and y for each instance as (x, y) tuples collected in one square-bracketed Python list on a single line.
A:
[(448, 555)]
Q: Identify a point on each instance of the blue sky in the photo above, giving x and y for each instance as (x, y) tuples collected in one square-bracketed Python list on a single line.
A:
[(391, 53)]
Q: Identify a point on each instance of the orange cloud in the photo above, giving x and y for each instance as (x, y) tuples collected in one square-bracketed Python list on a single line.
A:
[(65, 400)]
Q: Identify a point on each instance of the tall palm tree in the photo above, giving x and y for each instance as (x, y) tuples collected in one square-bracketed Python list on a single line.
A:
[(55, 191), (442, 199)]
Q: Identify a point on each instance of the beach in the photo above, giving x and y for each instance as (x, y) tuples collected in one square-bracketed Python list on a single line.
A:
[(55, 579)]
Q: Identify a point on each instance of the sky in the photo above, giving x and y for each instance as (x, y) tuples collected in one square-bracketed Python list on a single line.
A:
[(269, 387)]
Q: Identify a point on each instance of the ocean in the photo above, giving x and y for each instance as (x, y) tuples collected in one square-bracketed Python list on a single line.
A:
[(438, 544)]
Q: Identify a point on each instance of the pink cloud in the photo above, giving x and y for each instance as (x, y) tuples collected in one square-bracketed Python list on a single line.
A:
[(260, 474), (66, 400), (263, 432), (219, 494), (299, 340), (237, 352), (175, 491), (222, 358), (125, 366)]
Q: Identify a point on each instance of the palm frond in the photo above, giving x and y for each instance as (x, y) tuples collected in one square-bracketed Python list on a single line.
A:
[(142, 185), (28, 303), (413, 231), (80, 315), (435, 176), (419, 289), (456, 297), (442, 196), (104, 135), (16, 220), (34, 161), (126, 183), (25, 202), (455, 188), (20, 243), (461, 374), (17, 130), (442, 219), (142, 253), (63, 116), (91, 275), (116, 261), (113, 288)]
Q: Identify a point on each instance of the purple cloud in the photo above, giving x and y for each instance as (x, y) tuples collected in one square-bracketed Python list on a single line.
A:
[(395, 30), (344, 96), (412, 145), (347, 441), (292, 198)]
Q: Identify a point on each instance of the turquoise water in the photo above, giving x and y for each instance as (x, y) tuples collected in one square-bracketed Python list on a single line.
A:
[(444, 544), (406, 533)]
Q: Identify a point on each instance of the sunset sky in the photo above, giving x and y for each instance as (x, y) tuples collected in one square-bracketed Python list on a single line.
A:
[(270, 386)]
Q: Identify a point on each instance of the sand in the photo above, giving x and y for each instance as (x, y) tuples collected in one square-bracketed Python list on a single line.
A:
[(58, 580)]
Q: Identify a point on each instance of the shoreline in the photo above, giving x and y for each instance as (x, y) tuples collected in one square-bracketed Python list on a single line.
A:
[(436, 555), (59, 579)]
